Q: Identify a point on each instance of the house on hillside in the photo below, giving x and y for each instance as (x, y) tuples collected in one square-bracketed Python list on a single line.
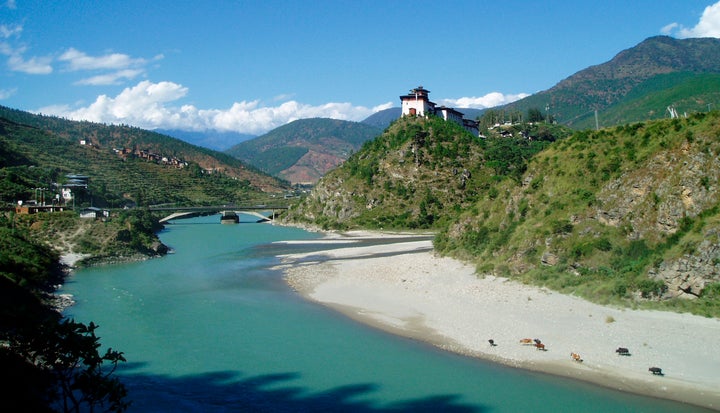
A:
[(417, 103)]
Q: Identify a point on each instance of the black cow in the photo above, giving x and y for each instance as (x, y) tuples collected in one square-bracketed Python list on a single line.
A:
[(623, 351), (656, 371)]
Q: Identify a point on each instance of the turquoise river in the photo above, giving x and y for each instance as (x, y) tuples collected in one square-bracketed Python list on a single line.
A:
[(212, 328)]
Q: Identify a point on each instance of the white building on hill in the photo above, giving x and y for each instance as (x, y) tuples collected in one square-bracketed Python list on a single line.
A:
[(417, 103)]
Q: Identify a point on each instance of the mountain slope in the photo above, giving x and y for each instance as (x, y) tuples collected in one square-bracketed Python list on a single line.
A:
[(38, 151), (304, 150), (418, 174), (624, 214), (574, 100), (211, 139)]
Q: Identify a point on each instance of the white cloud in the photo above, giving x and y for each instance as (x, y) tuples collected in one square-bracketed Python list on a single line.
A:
[(34, 65), (150, 105), (6, 93), (78, 60), (113, 78), (10, 31), (667, 30), (708, 26), (16, 62), (490, 100)]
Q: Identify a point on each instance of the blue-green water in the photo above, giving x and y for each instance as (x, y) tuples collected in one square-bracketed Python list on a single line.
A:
[(211, 328)]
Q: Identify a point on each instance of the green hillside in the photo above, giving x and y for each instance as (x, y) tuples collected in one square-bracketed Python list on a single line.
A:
[(39, 152), (304, 150), (420, 173), (622, 215), (649, 69), (686, 92)]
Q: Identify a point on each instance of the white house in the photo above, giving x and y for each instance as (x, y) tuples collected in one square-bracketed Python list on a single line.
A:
[(417, 103), (450, 114)]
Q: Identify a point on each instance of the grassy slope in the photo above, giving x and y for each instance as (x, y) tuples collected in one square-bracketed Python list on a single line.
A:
[(595, 213)]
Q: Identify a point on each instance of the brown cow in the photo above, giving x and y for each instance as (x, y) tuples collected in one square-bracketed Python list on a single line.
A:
[(540, 346)]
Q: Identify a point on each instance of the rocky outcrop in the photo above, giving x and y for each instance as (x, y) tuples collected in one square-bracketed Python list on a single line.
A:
[(651, 202), (654, 199), (687, 276)]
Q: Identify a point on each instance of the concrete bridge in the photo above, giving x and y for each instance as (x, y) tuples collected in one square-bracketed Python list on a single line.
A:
[(189, 212)]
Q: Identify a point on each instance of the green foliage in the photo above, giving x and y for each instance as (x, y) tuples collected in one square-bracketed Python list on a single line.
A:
[(26, 263), (81, 378), (55, 363)]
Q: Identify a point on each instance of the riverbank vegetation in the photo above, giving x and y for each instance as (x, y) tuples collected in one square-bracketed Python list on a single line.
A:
[(126, 235), (55, 363)]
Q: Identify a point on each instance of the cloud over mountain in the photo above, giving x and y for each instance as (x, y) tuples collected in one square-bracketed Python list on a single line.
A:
[(707, 26), (154, 105)]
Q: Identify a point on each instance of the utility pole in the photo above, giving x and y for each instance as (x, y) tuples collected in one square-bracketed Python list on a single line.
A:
[(547, 113), (597, 125)]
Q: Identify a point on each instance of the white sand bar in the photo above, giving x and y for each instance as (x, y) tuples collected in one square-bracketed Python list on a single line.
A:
[(403, 287)]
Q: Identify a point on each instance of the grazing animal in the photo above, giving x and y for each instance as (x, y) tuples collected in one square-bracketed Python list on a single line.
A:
[(537, 341), (622, 351), (576, 357), (540, 346), (526, 341), (656, 371), (492, 343)]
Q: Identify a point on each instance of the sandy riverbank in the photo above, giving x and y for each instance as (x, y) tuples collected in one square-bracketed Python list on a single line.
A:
[(406, 289), (70, 259)]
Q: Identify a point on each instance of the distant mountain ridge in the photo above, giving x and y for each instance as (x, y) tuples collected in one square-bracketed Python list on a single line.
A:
[(212, 139), (304, 150), (573, 100)]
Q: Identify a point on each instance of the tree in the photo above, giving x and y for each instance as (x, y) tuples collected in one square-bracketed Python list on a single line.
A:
[(48, 364), (68, 353), (535, 115)]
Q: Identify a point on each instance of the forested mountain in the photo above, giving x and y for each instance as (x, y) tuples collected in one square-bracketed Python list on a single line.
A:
[(304, 150), (213, 139), (629, 214), (638, 84), (382, 119), (126, 165)]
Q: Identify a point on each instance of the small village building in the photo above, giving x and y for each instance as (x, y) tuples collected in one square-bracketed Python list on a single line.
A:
[(32, 207), (94, 213), (450, 114)]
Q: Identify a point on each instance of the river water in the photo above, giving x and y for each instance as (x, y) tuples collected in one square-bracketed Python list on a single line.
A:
[(212, 328)]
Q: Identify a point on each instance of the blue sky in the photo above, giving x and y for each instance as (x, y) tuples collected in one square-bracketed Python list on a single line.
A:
[(251, 66)]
